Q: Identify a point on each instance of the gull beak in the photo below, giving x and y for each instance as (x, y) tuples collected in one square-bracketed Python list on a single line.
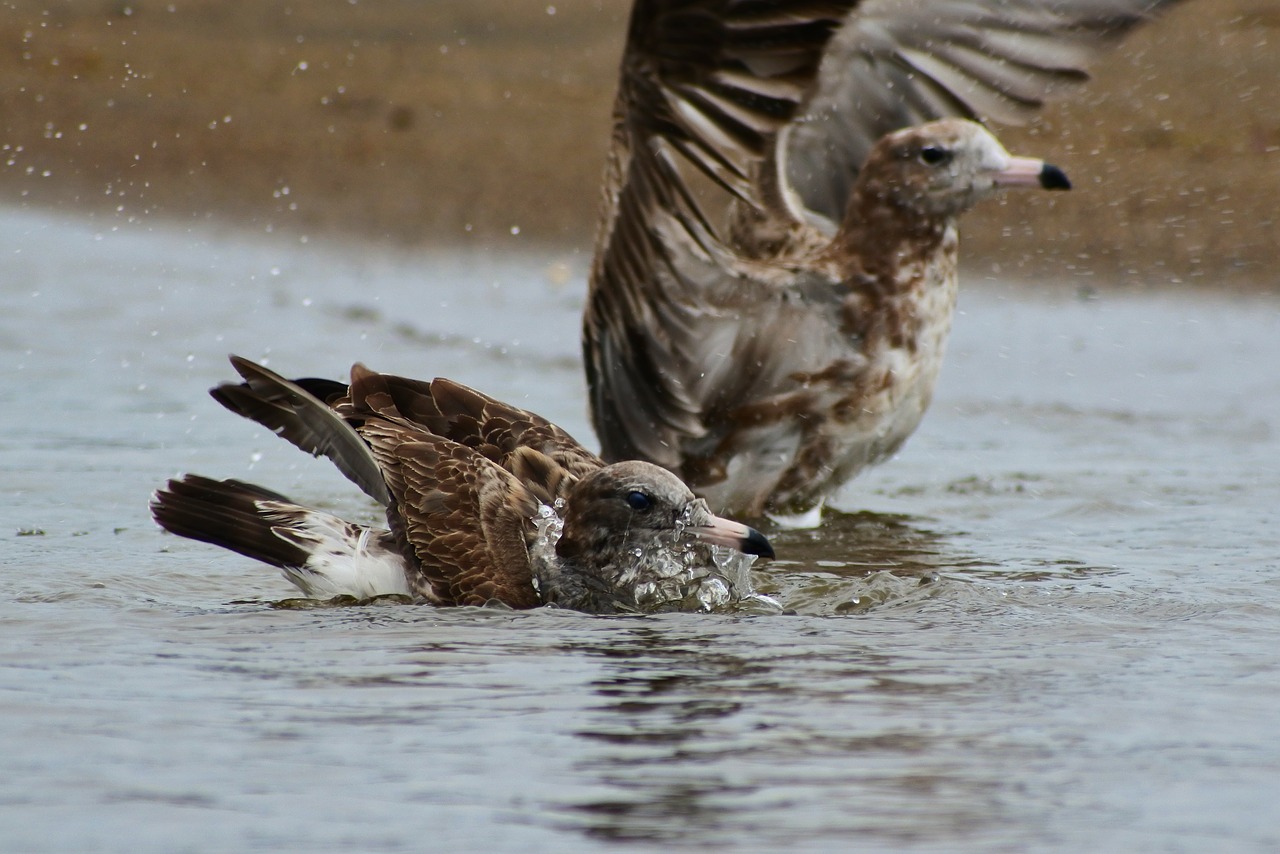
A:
[(725, 532), (1032, 172)]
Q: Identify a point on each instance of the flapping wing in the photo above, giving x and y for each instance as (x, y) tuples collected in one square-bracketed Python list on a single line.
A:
[(502, 433), (712, 81), (705, 87), (465, 520), (295, 411), (897, 63)]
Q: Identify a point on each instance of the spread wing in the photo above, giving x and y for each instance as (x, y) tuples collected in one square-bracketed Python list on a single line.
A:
[(319, 417), (294, 410), (771, 106), (897, 63), (705, 88), (506, 435)]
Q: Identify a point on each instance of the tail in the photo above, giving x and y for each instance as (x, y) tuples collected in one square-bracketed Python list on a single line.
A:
[(322, 555)]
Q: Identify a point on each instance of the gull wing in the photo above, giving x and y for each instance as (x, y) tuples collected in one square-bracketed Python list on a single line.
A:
[(704, 90), (897, 63)]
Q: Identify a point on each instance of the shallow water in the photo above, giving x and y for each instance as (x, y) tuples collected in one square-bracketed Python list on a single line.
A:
[(1052, 623)]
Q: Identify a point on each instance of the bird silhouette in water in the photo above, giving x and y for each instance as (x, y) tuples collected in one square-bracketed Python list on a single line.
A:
[(775, 274)]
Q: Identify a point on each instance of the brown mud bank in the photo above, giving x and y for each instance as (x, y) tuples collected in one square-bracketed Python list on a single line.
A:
[(487, 121)]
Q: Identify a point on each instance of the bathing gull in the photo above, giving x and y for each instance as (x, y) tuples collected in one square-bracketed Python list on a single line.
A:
[(484, 502), (768, 358)]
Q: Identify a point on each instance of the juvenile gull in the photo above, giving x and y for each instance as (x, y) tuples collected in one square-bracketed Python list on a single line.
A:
[(769, 358), (484, 502)]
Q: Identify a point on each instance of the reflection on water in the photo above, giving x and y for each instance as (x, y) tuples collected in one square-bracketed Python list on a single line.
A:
[(658, 733), (797, 742), (1051, 623)]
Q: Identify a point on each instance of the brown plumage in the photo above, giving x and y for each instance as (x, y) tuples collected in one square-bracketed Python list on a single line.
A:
[(768, 359), (484, 502)]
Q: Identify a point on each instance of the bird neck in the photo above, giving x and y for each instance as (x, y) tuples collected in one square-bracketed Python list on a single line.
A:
[(897, 269), (882, 235)]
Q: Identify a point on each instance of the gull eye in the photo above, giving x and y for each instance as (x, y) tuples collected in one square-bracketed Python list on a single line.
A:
[(933, 155), (638, 501)]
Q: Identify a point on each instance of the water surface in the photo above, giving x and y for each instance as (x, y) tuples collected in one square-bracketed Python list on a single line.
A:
[(1050, 624)]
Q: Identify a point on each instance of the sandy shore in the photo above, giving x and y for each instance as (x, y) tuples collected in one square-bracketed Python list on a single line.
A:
[(414, 123)]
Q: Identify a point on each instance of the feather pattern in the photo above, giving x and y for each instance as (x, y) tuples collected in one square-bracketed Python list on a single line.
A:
[(897, 63), (484, 503), (764, 318)]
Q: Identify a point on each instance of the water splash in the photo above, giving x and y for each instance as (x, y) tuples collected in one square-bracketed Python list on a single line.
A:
[(679, 572), (676, 571), (549, 523)]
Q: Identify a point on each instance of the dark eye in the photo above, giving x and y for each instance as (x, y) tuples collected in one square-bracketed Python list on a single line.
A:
[(933, 155), (638, 501)]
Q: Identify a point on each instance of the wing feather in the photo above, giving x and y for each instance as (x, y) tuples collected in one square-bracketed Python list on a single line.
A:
[(465, 520), (896, 63), (290, 410)]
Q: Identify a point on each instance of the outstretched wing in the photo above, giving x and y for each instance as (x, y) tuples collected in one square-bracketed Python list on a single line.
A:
[(897, 63), (500, 432), (294, 410), (322, 417), (705, 87)]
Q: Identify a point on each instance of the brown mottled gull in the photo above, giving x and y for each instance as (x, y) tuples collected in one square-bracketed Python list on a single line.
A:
[(768, 358), (484, 502)]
